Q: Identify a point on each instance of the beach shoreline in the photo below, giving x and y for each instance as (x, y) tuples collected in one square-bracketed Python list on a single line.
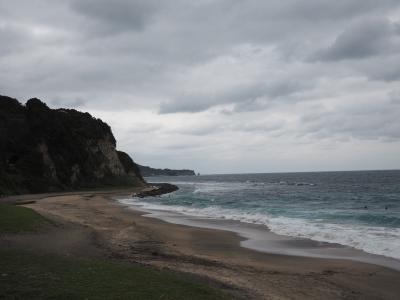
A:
[(215, 254), (260, 238)]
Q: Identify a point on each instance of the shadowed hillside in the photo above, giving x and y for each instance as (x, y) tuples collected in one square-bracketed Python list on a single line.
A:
[(44, 150)]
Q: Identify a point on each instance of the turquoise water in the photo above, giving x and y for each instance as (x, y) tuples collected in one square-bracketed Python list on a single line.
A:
[(357, 209)]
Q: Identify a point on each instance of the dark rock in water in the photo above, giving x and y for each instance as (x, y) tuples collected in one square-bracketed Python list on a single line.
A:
[(45, 150), (148, 171), (160, 189)]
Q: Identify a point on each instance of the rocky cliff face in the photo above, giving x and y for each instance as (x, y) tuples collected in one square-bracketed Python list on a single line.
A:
[(43, 150)]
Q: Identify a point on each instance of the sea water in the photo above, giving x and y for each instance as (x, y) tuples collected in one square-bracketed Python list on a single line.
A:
[(359, 209)]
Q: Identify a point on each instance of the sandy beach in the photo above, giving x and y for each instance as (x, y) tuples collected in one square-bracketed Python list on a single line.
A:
[(95, 224)]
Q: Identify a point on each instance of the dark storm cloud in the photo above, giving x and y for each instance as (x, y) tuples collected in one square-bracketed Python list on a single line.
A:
[(135, 42), (109, 17), (365, 38), (386, 68), (317, 9)]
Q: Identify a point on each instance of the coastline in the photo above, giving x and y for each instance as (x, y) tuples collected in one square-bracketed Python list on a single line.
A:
[(216, 254), (261, 238)]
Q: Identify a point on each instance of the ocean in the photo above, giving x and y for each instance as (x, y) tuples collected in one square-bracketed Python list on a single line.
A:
[(360, 209)]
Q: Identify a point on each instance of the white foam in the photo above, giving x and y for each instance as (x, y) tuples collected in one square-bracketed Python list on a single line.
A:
[(375, 240), (215, 186)]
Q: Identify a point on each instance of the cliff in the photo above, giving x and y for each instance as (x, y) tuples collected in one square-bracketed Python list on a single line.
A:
[(45, 150), (148, 171)]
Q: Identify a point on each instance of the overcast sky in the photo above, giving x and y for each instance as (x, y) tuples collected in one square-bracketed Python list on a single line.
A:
[(219, 86)]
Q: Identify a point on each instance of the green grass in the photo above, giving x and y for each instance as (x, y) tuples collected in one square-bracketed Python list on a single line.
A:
[(28, 276), (15, 219)]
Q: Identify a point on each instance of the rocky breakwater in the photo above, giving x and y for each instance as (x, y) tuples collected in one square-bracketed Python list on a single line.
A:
[(157, 189)]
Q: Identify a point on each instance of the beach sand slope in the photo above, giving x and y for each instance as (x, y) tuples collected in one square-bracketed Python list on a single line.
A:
[(102, 225)]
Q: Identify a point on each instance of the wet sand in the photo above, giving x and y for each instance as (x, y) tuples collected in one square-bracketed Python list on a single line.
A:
[(260, 238), (214, 254)]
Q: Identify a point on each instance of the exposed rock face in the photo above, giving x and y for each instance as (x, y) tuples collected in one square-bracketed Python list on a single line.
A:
[(130, 167), (148, 171), (44, 150)]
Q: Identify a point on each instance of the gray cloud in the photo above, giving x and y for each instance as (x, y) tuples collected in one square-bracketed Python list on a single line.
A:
[(69, 103), (15, 39), (386, 68), (116, 16), (244, 98), (394, 97), (366, 38), (213, 73), (374, 120)]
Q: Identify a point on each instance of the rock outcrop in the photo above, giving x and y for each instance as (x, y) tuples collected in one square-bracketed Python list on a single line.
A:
[(157, 190), (45, 150)]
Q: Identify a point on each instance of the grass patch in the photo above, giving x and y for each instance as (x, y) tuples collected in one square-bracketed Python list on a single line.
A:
[(30, 276), (16, 219)]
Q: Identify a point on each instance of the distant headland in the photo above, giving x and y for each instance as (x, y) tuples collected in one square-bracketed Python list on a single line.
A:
[(148, 172)]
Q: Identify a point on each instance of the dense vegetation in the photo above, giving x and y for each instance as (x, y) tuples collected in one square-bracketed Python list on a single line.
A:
[(43, 149), (148, 171)]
